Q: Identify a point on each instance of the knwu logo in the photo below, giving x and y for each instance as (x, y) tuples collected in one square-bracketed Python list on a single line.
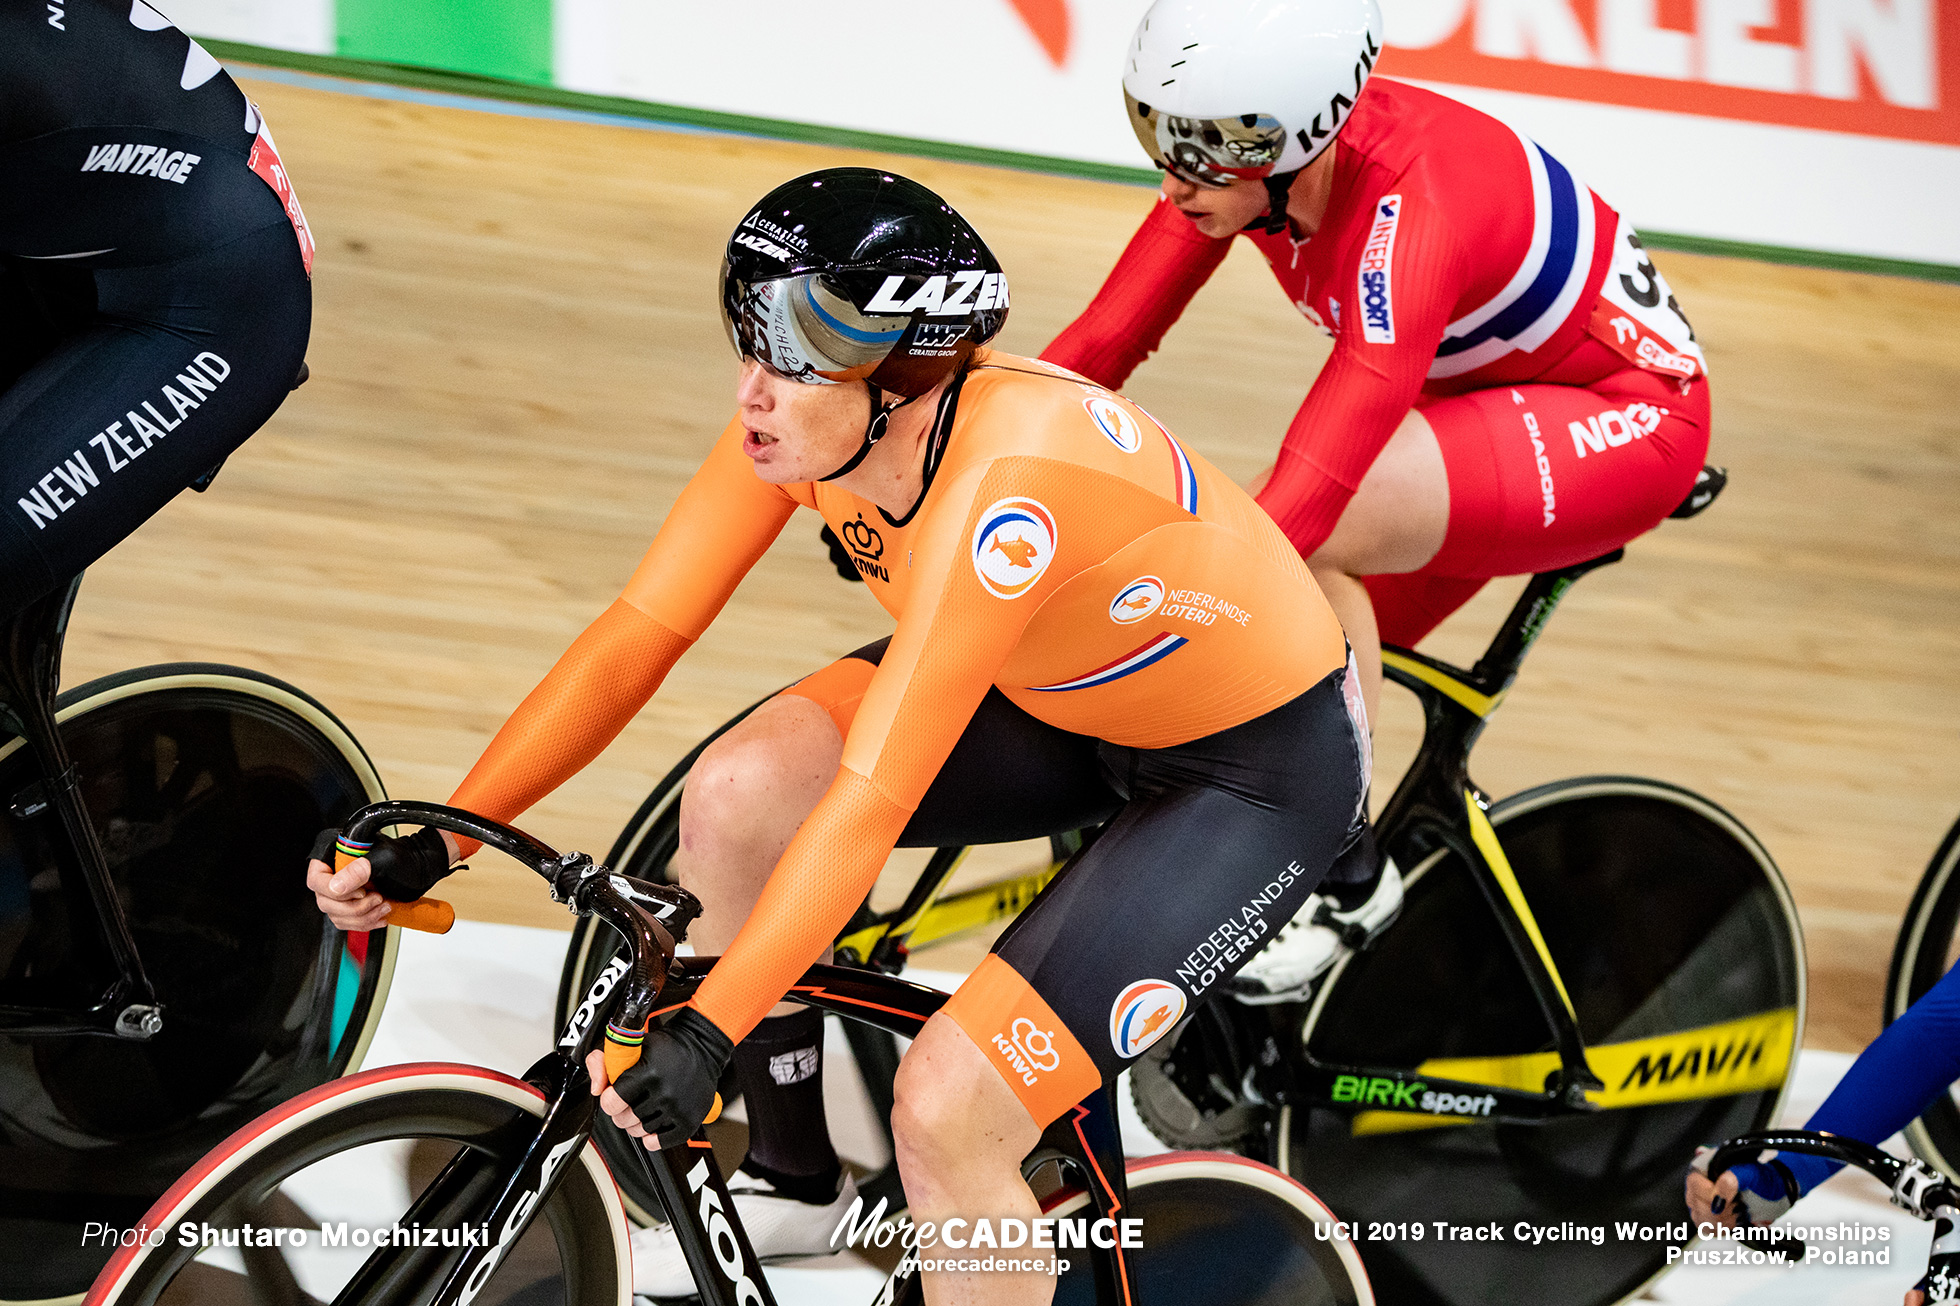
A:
[(1028, 1049), (866, 547)]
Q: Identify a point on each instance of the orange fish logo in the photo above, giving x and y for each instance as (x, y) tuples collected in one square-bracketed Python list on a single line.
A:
[(1143, 1013), (1115, 423), (1018, 552), (1013, 543), (1137, 600)]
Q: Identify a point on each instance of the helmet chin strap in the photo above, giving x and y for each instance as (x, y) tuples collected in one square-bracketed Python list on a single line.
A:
[(874, 430), (1278, 187)]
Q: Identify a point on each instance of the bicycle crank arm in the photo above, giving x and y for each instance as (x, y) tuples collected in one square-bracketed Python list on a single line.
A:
[(114, 1016)]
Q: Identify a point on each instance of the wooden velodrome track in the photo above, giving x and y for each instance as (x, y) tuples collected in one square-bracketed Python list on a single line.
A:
[(517, 361)]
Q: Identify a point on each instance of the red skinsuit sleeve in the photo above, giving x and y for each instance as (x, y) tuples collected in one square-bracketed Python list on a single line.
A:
[(1365, 390), (950, 643), (1161, 268), (723, 521)]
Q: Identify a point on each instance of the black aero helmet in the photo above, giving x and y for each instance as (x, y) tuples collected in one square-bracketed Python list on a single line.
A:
[(853, 274)]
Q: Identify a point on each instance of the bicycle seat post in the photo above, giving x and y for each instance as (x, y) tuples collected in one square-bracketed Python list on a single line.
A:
[(30, 676), (1500, 662)]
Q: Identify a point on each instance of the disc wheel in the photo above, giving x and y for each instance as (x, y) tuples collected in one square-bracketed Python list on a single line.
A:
[(354, 1157), (1929, 944), (206, 785), (1678, 942), (1227, 1232)]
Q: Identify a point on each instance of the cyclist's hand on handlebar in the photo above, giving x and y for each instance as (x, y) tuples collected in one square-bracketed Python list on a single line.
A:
[(357, 896), (671, 1089), (1749, 1194), (343, 895), (1702, 1195)]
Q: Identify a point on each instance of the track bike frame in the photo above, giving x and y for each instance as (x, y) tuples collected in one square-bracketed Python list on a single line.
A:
[(645, 981), (1437, 806), (30, 674)]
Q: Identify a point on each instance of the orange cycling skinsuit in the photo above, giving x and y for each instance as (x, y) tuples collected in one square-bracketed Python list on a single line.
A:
[(1462, 272), (1111, 622)]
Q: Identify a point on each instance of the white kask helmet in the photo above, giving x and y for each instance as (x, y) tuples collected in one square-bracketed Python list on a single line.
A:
[(1228, 90)]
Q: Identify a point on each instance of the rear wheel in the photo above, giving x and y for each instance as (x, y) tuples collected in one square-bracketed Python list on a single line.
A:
[(1678, 942), (1929, 944), (1227, 1232), (327, 1171), (206, 785)]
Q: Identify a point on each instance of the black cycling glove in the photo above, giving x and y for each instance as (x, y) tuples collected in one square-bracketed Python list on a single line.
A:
[(400, 870), (671, 1088)]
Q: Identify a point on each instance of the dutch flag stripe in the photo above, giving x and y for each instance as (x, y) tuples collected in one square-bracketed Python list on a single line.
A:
[(1187, 476), (1134, 661)]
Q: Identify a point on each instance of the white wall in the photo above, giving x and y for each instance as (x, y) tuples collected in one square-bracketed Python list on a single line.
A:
[(972, 73), (1839, 131), (304, 25)]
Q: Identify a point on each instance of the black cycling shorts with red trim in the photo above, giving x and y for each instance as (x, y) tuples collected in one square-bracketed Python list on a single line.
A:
[(120, 387)]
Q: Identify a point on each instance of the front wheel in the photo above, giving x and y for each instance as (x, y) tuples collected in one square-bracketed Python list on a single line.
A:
[(1929, 943), (1678, 942), (206, 785), (1227, 1232), (292, 1207)]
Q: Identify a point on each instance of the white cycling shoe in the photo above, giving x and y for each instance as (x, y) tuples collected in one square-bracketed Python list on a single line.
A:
[(1307, 946), (779, 1228)]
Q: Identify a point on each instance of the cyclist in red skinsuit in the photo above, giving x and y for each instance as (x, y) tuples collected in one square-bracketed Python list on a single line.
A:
[(1512, 386)]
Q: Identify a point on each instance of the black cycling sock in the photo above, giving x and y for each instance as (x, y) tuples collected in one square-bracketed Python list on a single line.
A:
[(816, 1189), (1351, 881), (780, 1069)]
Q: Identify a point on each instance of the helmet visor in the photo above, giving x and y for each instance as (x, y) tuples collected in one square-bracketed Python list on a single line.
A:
[(804, 329), (1208, 151)]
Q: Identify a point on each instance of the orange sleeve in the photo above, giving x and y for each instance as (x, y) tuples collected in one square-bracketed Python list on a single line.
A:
[(722, 524), (947, 649), (723, 521), (581, 705)]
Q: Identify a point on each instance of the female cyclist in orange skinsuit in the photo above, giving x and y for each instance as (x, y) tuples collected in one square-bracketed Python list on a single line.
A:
[(1092, 625)]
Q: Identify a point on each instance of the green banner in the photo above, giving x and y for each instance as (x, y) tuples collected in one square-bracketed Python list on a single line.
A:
[(492, 38)]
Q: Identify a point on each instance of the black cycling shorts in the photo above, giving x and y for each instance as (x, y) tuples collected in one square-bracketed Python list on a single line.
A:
[(119, 387), (1210, 847)]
